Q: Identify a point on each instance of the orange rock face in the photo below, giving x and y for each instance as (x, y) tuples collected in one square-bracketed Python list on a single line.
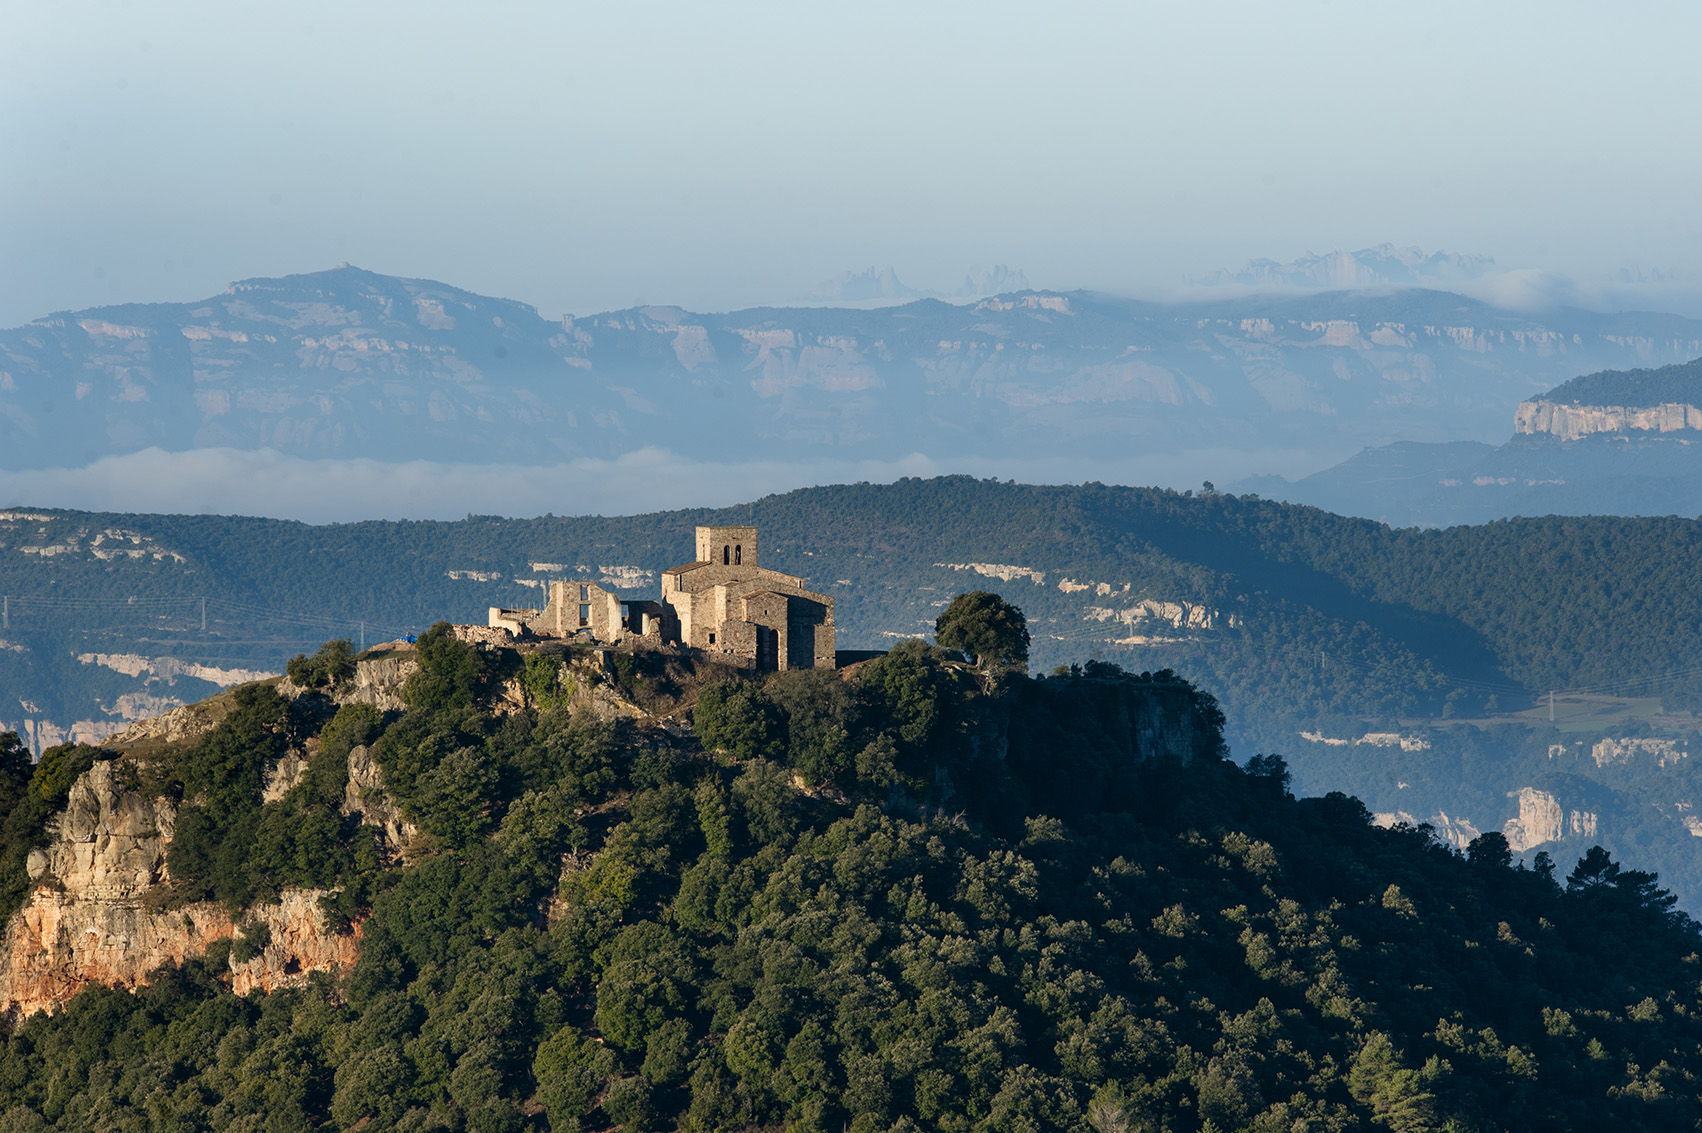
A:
[(87, 921), (302, 943), (56, 945)]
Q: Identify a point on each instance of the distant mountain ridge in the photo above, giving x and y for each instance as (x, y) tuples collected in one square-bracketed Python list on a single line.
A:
[(1613, 442), (348, 363)]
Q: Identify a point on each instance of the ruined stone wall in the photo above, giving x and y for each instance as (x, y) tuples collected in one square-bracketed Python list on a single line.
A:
[(516, 621), (606, 624), (561, 616)]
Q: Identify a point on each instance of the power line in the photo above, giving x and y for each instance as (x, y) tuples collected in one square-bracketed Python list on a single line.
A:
[(189, 606)]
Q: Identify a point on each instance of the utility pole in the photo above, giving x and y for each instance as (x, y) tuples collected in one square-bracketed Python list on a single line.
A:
[(363, 637), (6, 612), (203, 615), (1551, 706)]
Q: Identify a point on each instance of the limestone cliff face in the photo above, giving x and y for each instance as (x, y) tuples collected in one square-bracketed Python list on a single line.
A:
[(1659, 751), (184, 722), (379, 682), (1156, 720), (1542, 819), (90, 918), (1449, 830), (302, 942), (1570, 422)]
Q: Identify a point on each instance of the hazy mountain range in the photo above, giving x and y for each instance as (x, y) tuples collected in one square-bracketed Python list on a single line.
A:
[(348, 362)]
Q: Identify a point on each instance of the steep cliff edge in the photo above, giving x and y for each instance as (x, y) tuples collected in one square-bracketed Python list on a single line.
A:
[(1663, 400), (94, 916), (1570, 422)]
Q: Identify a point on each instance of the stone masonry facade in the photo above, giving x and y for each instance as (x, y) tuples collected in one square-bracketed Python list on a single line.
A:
[(721, 602)]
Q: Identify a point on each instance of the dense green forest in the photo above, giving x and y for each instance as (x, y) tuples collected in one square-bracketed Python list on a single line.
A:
[(926, 897), (1310, 622), (1680, 384), (1409, 618)]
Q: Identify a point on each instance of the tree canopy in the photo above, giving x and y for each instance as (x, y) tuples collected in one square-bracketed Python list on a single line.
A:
[(903, 901), (987, 628)]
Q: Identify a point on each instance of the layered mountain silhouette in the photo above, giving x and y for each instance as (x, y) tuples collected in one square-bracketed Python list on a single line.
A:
[(347, 362)]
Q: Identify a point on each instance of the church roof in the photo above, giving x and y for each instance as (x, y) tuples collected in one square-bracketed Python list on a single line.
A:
[(684, 567)]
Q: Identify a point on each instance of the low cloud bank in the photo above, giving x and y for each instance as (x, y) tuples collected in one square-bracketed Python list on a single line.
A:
[(227, 481)]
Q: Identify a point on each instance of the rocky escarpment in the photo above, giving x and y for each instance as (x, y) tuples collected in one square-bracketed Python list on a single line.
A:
[(94, 916), (1570, 422), (1542, 818), (378, 680)]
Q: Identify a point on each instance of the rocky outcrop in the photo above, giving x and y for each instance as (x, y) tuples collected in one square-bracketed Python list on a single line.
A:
[(1543, 819), (93, 917), (56, 945), (1570, 422), (182, 723), (301, 941), (1456, 832), (1607, 752), (365, 795), (378, 681), (283, 775), (110, 842)]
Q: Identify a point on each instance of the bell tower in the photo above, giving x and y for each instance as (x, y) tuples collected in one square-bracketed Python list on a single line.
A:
[(727, 546)]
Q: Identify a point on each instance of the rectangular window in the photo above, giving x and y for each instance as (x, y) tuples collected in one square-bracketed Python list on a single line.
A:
[(712, 639), (584, 593), (585, 615)]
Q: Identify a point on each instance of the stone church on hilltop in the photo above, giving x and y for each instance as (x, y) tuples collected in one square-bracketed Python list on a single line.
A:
[(721, 602)]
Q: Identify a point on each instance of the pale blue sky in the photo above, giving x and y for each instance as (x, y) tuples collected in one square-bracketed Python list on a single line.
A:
[(581, 157)]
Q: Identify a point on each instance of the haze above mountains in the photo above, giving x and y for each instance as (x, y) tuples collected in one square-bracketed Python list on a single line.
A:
[(347, 393)]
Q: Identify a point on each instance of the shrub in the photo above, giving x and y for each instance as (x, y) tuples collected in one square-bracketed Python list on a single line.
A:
[(451, 673), (335, 661)]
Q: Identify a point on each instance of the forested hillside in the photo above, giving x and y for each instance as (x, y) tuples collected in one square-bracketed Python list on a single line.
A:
[(1412, 618), (1404, 653), (1679, 384), (838, 903)]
